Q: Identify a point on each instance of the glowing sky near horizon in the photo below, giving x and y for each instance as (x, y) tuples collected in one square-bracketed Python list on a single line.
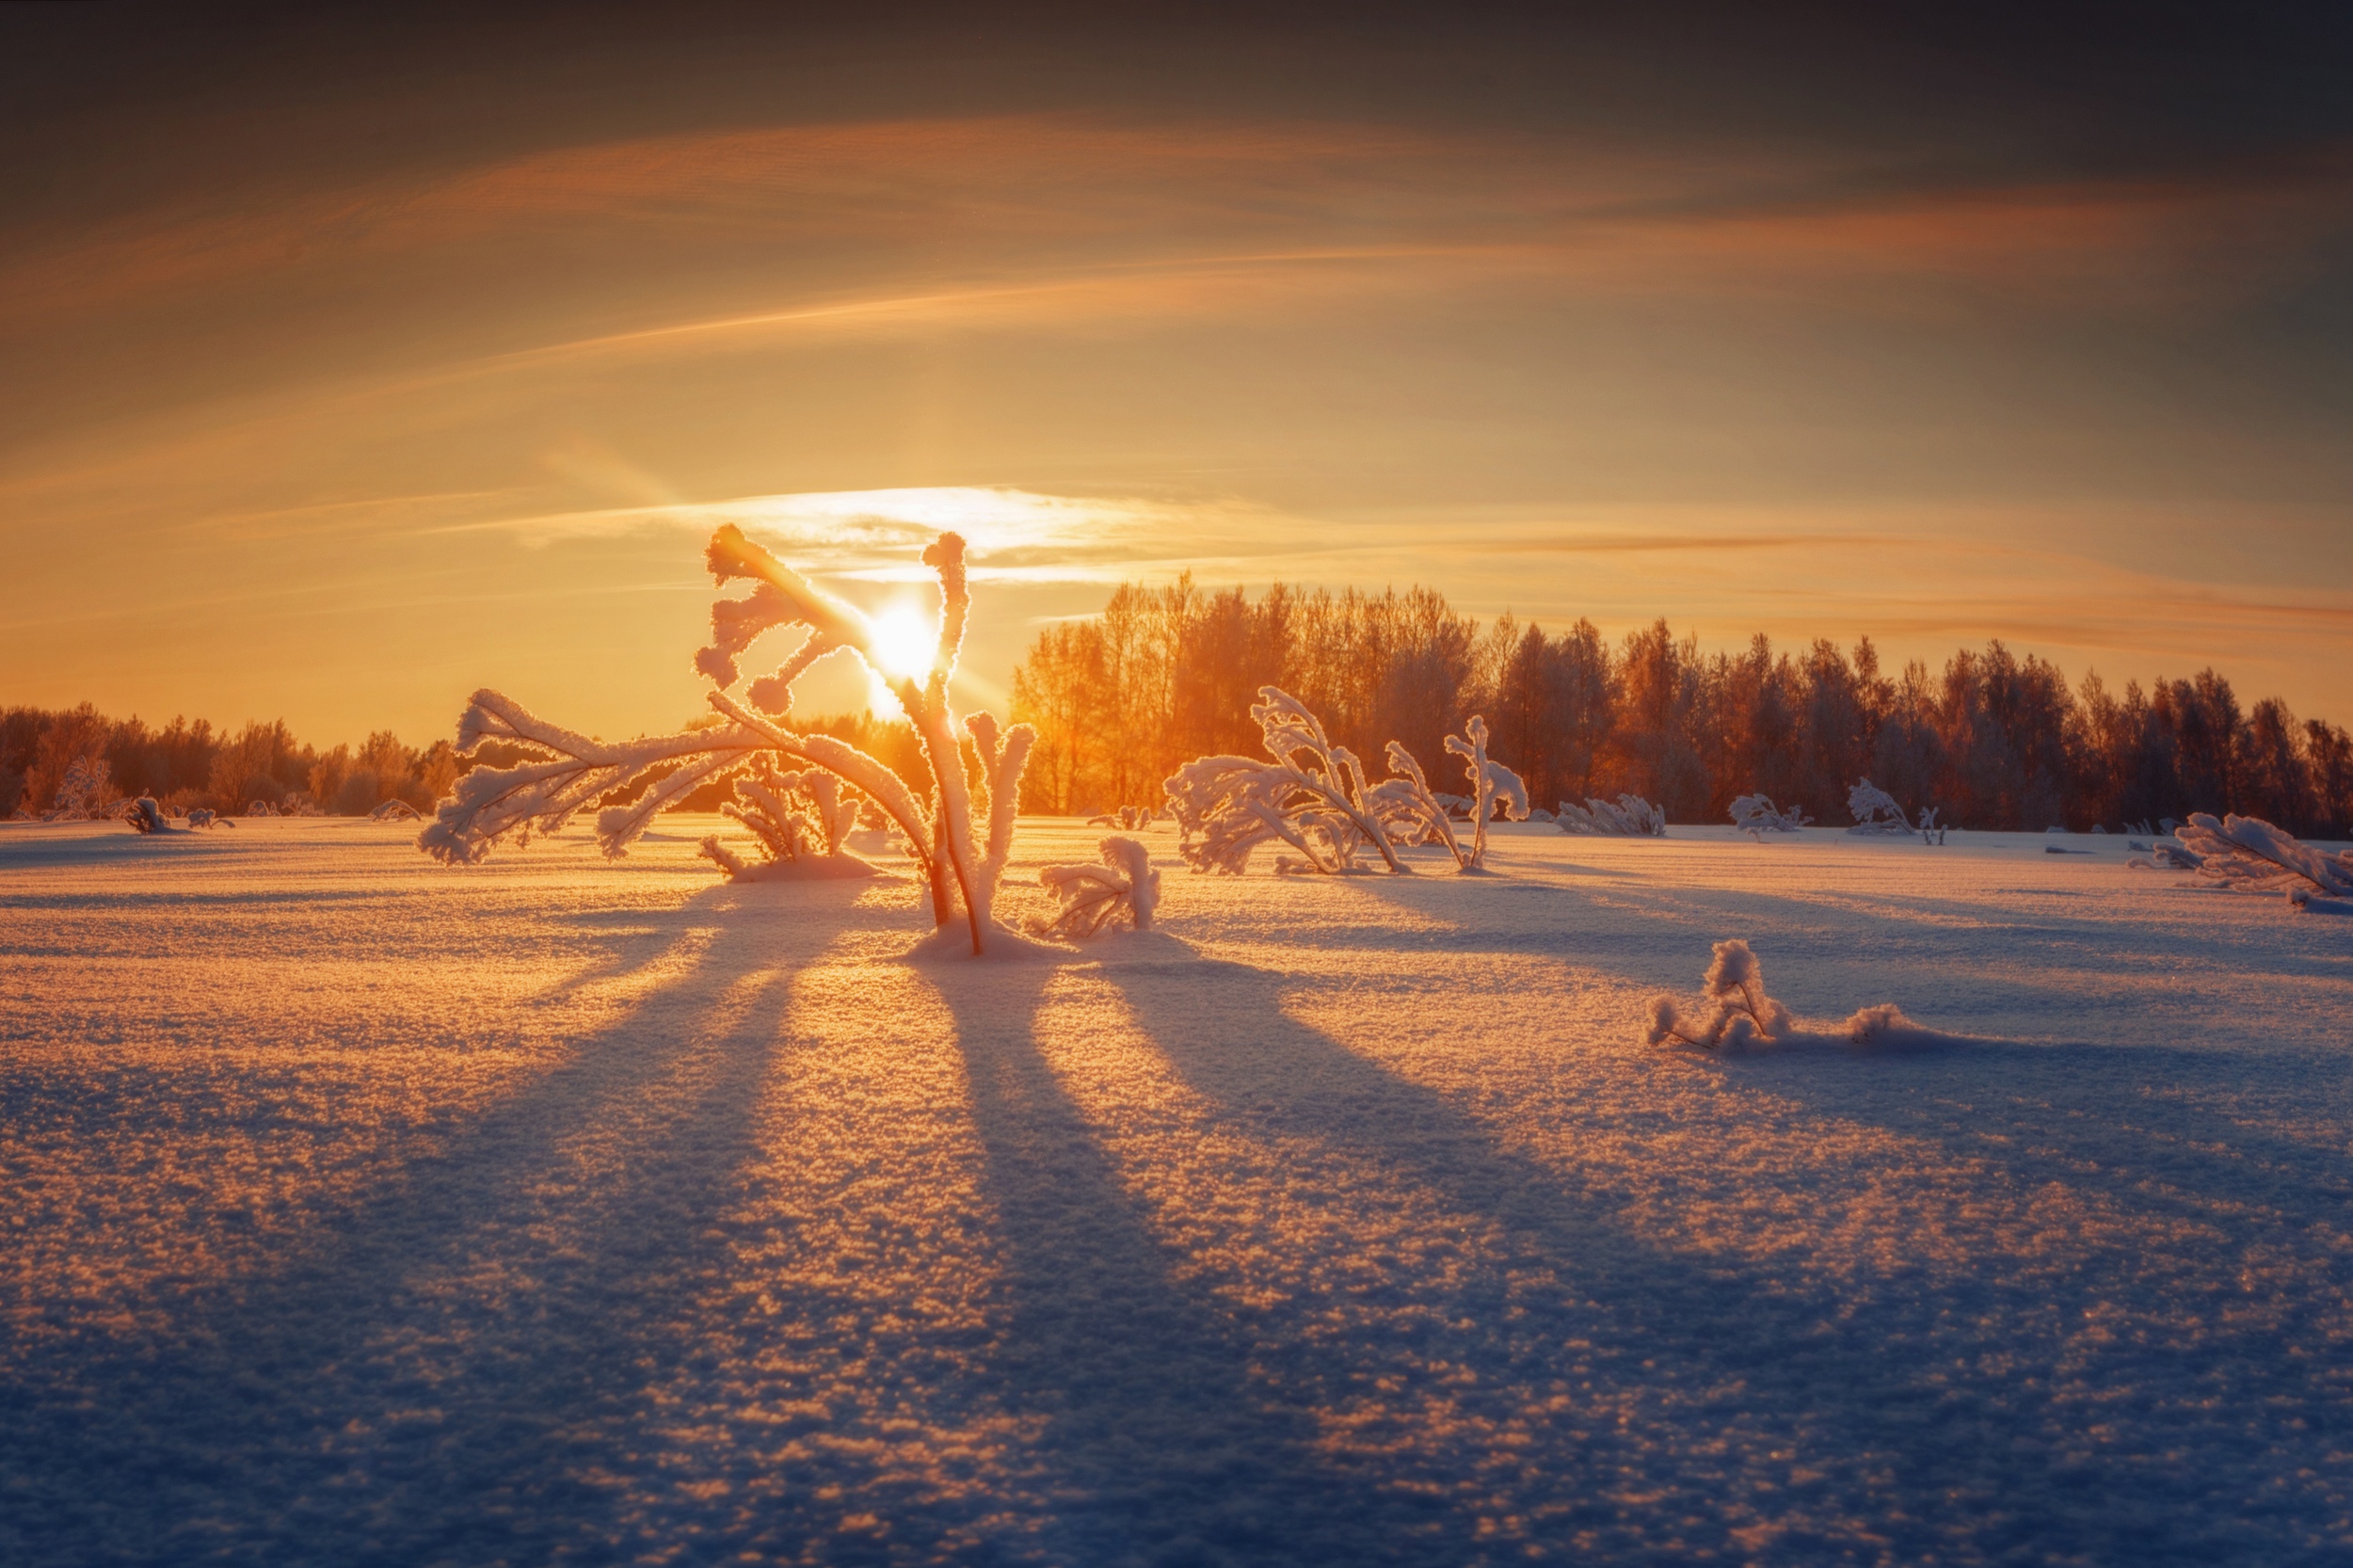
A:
[(353, 363)]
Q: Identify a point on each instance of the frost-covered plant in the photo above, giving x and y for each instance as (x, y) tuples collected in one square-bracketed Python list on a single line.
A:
[(799, 821), (1128, 819), (394, 810), (1745, 1015), (1412, 814), (1875, 811), (1735, 984), (84, 792), (1094, 896), (258, 807), (202, 816), (1757, 815), (960, 838), (1312, 796), (145, 816), (1632, 817), (2249, 853)]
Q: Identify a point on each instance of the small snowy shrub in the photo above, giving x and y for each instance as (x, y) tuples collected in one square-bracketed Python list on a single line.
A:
[(1757, 815), (84, 791), (1412, 815), (2250, 853), (390, 810), (960, 840), (800, 820), (1312, 796), (202, 816), (1875, 811), (1632, 817), (1094, 896), (145, 816), (1128, 819), (1744, 1014), (1735, 984)]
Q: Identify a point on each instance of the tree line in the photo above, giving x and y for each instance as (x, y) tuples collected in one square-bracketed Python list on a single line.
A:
[(187, 764), (1993, 740)]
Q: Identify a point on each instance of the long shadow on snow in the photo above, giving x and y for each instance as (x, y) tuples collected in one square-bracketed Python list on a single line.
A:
[(1820, 955), (366, 1402), (1165, 1450), (1911, 1450)]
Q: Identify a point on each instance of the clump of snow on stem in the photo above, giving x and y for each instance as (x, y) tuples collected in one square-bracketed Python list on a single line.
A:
[(1757, 815), (1093, 897), (1744, 1014), (962, 859), (1631, 817), (145, 816)]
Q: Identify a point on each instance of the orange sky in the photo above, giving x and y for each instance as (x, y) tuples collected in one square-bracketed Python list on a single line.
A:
[(342, 387)]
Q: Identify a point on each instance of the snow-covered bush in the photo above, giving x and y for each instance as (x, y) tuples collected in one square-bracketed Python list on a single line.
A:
[(1632, 817), (1412, 814), (1757, 815), (960, 838), (86, 790), (1735, 984), (1875, 811), (800, 820), (202, 816), (2249, 853), (258, 807), (1746, 1014), (1094, 896), (390, 810), (145, 816), (1312, 796), (1128, 819)]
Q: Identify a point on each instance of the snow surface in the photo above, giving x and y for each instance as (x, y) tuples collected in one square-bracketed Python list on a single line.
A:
[(362, 1209)]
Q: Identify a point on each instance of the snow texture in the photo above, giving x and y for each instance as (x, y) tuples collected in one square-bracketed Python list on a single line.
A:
[(572, 1210), (1631, 817), (1756, 816), (1096, 896)]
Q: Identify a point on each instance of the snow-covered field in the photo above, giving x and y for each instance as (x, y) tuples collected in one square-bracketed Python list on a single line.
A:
[(361, 1211)]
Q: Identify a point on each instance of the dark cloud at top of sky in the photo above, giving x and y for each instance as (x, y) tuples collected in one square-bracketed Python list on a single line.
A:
[(113, 107)]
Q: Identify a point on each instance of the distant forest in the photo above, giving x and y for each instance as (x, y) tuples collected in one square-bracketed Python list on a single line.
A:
[(188, 764), (1992, 740)]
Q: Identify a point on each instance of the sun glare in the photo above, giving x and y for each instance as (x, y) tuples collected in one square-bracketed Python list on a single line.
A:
[(904, 641)]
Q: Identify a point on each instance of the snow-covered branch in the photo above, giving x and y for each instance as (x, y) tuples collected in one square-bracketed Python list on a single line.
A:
[(1312, 796), (1094, 896), (1412, 814), (1757, 815), (1632, 817), (1875, 811), (2249, 853), (563, 772)]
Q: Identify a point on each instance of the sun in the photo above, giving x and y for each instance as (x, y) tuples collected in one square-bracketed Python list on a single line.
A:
[(903, 642)]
